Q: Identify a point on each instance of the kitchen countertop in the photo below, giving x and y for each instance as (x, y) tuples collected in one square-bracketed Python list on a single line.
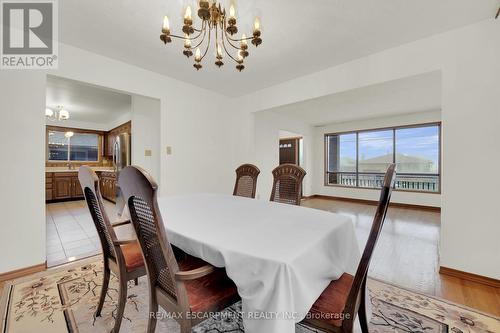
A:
[(62, 169)]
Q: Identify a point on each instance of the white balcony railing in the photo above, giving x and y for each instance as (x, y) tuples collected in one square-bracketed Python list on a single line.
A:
[(411, 182)]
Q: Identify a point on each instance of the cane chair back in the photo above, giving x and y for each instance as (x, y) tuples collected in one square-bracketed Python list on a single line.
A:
[(246, 180), (287, 184), (90, 185), (140, 192)]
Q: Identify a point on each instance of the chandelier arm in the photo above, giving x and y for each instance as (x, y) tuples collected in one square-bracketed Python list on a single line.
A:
[(224, 33), (239, 40), (229, 41), (184, 38), (199, 31), (208, 45), (229, 54), (176, 36), (201, 41)]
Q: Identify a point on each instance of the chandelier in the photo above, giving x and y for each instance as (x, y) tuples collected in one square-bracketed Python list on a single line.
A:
[(216, 27), (58, 115)]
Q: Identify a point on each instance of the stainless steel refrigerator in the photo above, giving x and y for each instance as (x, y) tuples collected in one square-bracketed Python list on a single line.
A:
[(121, 159)]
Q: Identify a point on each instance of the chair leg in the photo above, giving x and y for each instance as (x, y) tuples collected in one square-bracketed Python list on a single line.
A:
[(104, 291), (363, 321), (136, 281), (185, 326), (122, 297), (153, 310)]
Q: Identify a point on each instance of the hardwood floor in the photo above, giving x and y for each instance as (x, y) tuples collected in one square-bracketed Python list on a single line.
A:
[(407, 253)]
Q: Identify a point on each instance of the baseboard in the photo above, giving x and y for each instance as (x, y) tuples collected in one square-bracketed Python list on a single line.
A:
[(64, 200), (374, 202), (470, 276), (22, 272)]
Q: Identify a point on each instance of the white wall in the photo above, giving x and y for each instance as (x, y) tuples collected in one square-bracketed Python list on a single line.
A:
[(268, 126), (468, 58), (471, 113), (22, 169), (191, 118), (425, 199), (146, 134)]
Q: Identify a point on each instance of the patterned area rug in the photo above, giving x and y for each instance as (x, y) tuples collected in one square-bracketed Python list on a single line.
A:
[(64, 300)]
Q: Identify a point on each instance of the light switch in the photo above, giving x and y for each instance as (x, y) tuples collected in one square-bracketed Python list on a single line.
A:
[(169, 150), (147, 152)]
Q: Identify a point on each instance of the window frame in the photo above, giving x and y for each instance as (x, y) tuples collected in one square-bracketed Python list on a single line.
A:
[(357, 173), (100, 141)]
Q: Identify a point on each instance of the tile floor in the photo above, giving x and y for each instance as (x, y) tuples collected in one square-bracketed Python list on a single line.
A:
[(71, 233)]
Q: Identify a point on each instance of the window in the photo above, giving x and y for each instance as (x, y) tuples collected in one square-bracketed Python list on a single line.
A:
[(342, 152), (82, 147), (360, 159)]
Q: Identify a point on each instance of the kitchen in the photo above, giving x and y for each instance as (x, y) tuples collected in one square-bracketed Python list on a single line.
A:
[(104, 129)]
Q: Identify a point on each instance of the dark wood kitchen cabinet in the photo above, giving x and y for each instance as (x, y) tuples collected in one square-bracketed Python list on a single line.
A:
[(63, 185), (108, 182), (110, 137), (76, 188), (49, 177)]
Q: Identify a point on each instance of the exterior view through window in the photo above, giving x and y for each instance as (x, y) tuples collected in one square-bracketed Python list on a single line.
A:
[(82, 147), (360, 158)]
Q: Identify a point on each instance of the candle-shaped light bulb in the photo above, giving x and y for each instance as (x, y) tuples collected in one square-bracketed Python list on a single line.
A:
[(256, 24), (219, 51), (232, 11), (166, 25), (188, 13), (239, 57), (197, 55), (244, 43), (187, 41)]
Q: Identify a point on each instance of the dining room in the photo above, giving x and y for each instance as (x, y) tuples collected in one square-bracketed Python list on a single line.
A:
[(283, 185)]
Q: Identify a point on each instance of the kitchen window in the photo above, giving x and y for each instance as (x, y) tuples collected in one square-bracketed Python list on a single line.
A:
[(81, 147), (360, 158)]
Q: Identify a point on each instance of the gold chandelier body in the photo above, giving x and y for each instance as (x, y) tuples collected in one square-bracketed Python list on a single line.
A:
[(216, 27)]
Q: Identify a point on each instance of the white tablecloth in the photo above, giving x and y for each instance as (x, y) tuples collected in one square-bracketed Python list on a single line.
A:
[(281, 257)]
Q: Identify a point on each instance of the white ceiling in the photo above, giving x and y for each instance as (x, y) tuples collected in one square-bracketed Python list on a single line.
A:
[(403, 96), (86, 103), (299, 37)]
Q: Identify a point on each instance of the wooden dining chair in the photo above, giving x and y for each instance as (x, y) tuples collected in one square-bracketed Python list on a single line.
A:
[(336, 309), (287, 184), (187, 286), (246, 180), (122, 257)]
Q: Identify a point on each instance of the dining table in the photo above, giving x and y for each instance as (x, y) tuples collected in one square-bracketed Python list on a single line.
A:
[(281, 257)]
